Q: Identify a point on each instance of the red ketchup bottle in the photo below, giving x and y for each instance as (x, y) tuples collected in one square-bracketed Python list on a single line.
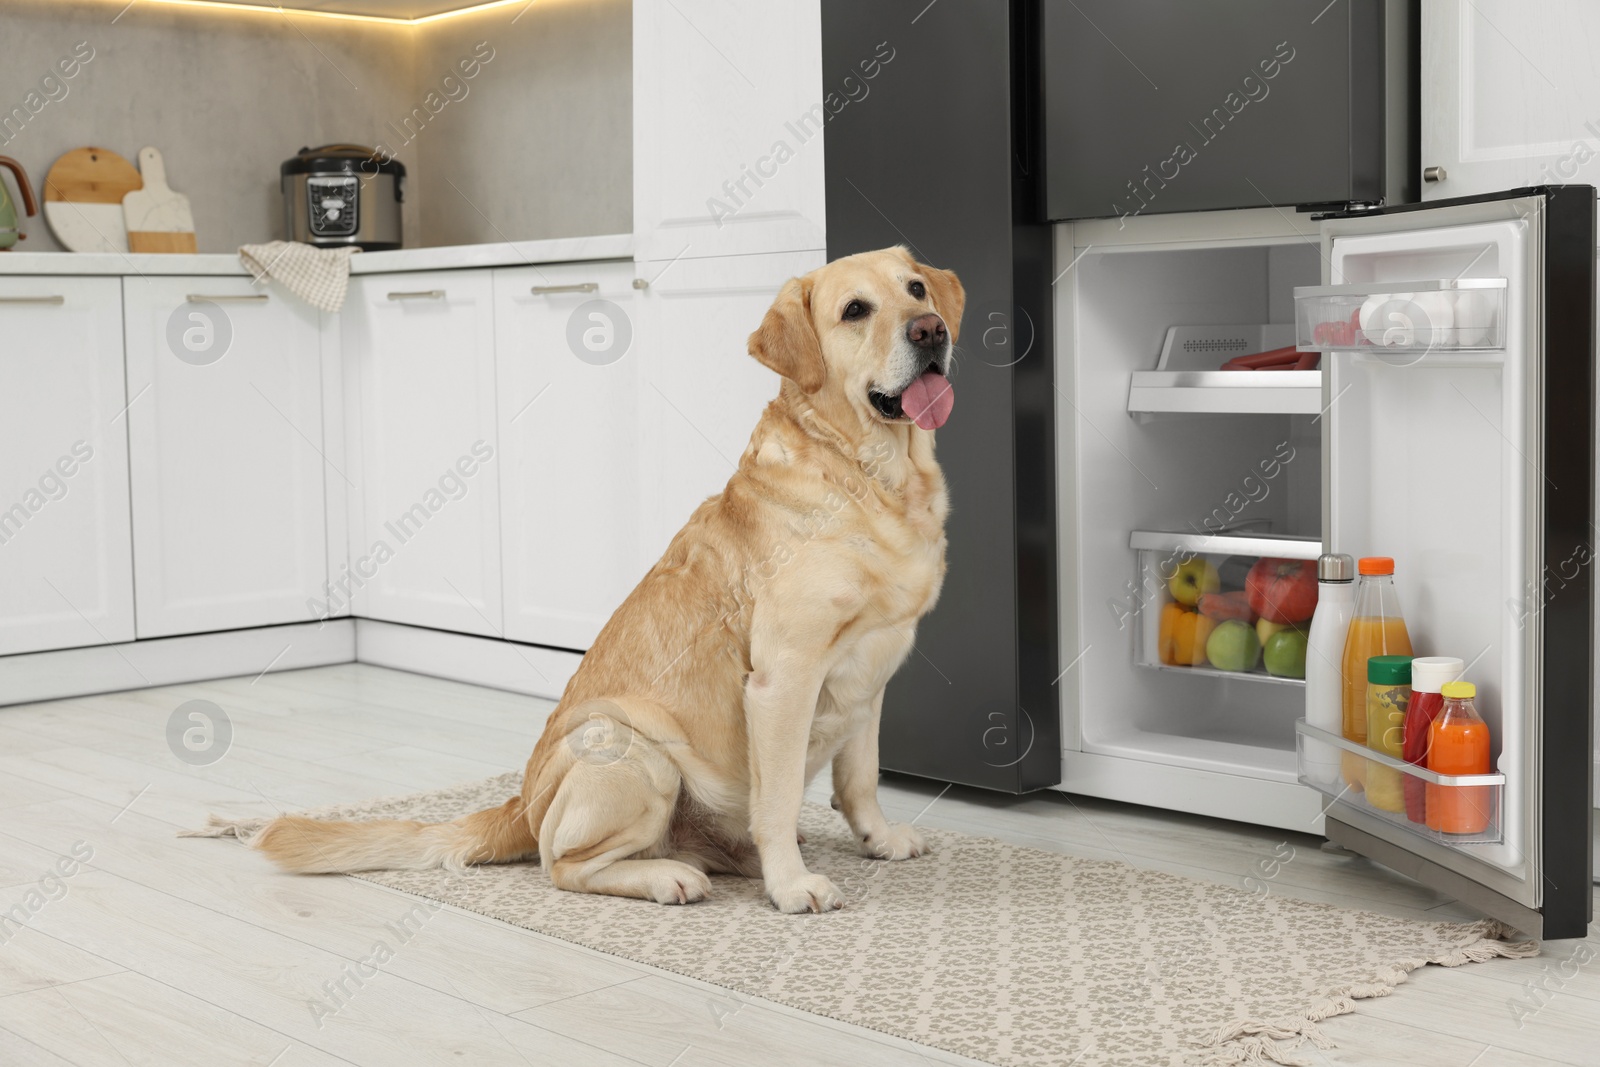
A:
[(1428, 675)]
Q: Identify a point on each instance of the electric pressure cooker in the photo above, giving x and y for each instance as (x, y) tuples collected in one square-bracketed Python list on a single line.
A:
[(343, 195)]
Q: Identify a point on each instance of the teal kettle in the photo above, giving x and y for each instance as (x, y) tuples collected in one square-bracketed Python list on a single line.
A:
[(10, 234)]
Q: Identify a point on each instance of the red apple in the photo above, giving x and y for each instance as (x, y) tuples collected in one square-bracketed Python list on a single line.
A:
[(1283, 590)]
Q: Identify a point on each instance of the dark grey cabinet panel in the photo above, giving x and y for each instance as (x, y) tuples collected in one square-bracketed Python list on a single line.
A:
[(938, 149), (1171, 105)]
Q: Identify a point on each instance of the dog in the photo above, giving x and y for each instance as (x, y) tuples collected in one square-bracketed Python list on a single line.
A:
[(757, 650)]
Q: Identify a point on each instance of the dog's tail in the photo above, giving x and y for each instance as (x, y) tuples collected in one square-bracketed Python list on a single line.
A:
[(312, 846)]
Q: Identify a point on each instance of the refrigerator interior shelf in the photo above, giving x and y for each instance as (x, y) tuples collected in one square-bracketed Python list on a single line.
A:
[(1402, 318), (1226, 544), (1267, 392), (1472, 800), (1177, 637)]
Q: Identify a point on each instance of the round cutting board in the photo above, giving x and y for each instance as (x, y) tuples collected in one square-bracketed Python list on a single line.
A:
[(83, 199)]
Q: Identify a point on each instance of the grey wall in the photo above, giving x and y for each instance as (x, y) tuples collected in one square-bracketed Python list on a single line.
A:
[(541, 144)]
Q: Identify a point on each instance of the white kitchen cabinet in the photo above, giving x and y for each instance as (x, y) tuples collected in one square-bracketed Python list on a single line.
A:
[(703, 392), (66, 567), (1510, 94), (567, 359), (225, 439), (727, 151), (424, 452)]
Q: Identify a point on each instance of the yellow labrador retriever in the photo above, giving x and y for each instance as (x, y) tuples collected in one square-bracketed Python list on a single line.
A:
[(757, 649)]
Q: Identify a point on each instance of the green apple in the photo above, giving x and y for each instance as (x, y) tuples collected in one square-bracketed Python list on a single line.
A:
[(1191, 579), (1285, 654), (1233, 646)]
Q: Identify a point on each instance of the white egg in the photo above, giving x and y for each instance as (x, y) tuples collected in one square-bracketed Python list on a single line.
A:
[(1475, 314), (1408, 319)]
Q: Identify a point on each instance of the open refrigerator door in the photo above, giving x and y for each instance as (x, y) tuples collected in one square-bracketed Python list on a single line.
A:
[(1457, 345)]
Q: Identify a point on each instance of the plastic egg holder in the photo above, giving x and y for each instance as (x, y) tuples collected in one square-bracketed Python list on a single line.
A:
[(1460, 314)]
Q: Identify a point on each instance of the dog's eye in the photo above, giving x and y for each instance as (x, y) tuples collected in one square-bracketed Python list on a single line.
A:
[(917, 290), (855, 310)]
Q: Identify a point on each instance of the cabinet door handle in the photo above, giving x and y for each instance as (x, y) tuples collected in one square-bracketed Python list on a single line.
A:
[(1434, 174), (226, 298), (580, 287), (419, 294), (33, 300)]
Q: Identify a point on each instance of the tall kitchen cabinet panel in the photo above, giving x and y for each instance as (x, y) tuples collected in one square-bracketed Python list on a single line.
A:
[(728, 112), (1510, 95), (977, 703), (701, 392), (425, 451), (66, 567), (225, 444), (567, 357)]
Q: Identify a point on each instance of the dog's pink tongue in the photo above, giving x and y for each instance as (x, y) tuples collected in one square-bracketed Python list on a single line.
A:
[(928, 400)]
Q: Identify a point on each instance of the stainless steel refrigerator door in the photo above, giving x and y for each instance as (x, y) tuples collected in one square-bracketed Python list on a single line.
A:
[(1457, 422)]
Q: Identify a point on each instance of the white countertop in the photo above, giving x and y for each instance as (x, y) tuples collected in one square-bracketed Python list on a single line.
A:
[(450, 257)]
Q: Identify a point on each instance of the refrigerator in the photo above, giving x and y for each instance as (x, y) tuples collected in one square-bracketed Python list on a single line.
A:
[(1450, 426)]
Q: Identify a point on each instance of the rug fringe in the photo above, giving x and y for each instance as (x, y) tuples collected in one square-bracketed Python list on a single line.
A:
[(1250, 1042), (221, 826)]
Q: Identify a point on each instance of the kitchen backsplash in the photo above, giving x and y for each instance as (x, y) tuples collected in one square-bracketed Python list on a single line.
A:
[(541, 145), (536, 143)]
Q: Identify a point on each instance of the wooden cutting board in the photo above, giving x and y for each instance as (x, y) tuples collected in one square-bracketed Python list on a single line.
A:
[(158, 219), (83, 199)]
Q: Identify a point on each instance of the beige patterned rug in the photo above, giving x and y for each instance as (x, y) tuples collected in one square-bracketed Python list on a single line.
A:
[(1004, 954)]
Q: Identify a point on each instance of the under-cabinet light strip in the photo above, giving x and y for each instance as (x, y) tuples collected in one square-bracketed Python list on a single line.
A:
[(389, 20)]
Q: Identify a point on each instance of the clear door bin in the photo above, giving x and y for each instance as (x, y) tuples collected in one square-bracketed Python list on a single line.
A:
[(1402, 794), (1214, 604), (1400, 318)]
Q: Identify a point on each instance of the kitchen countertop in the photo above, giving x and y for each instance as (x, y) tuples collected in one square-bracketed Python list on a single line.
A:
[(449, 257)]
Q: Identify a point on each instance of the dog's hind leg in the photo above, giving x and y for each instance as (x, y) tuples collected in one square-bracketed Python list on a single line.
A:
[(608, 826)]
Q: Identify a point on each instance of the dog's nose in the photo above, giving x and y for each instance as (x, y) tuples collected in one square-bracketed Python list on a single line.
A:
[(927, 331)]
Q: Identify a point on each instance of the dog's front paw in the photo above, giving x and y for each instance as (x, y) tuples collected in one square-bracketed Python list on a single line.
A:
[(899, 841), (812, 892)]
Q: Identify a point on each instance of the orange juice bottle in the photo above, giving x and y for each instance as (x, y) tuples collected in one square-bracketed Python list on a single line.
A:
[(1458, 743), (1377, 629)]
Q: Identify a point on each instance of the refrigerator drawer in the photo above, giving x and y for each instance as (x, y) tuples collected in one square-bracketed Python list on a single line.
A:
[(1200, 617), (1402, 318), (1400, 793)]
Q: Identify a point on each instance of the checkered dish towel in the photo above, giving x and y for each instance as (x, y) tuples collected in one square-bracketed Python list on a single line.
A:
[(319, 276)]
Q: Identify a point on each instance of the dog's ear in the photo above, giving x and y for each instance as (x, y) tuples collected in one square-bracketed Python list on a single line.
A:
[(949, 297), (787, 340)]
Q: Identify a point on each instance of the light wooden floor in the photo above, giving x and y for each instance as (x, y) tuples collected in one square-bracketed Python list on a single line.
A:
[(165, 951)]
